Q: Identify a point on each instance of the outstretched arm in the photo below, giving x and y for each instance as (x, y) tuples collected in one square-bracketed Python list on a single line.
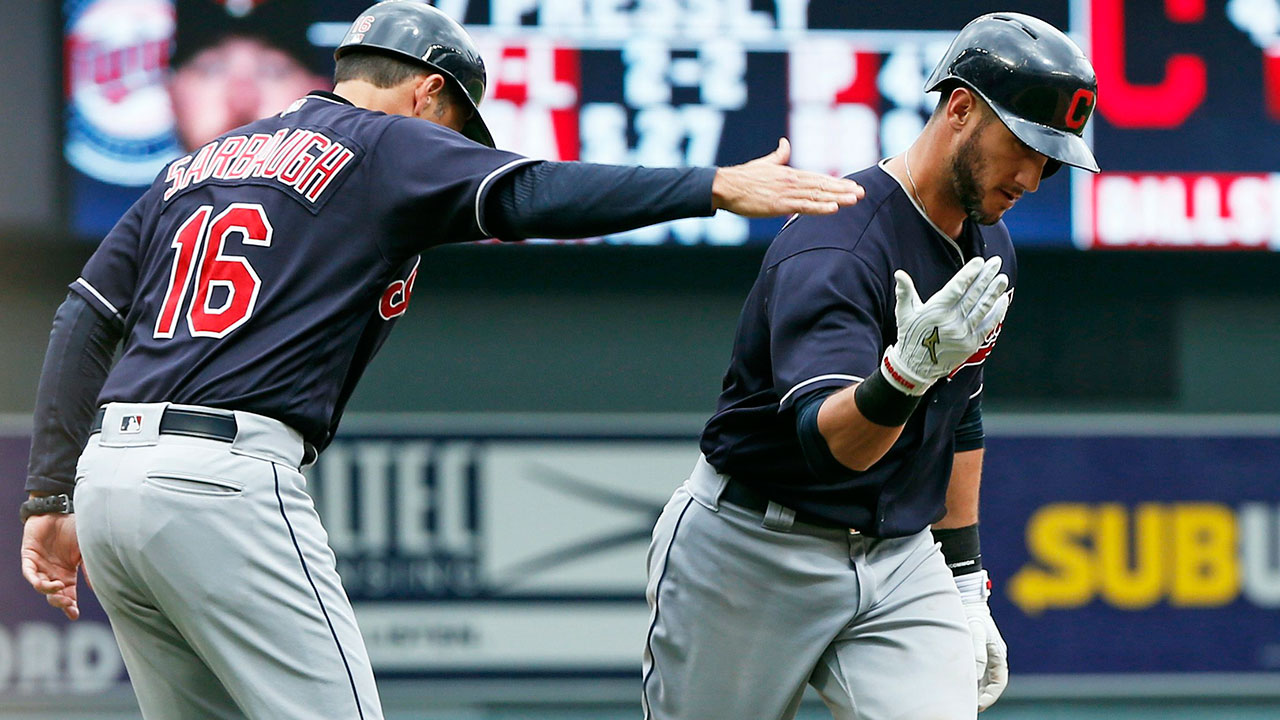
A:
[(572, 200)]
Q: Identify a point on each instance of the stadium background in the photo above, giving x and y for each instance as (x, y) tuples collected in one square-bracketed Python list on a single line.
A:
[(1132, 511)]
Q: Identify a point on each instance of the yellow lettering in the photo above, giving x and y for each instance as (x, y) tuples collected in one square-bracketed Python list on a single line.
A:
[(1057, 540), (1138, 581), (1206, 570)]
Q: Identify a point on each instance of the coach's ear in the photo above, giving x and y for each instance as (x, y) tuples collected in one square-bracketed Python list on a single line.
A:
[(427, 91)]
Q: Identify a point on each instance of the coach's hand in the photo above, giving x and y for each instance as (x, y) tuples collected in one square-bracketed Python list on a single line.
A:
[(936, 336), (767, 186), (51, 559), (989, 650)]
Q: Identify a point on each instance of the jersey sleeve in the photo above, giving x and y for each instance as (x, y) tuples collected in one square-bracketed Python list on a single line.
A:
[(825, 307), (108, 280), (436, 182)]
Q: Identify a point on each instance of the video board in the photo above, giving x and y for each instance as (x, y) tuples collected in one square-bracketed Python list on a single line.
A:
[(1186, 130)]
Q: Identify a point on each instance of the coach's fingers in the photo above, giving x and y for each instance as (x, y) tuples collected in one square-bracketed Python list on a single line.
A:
[(66, 602), (809, 207), (39, 579)]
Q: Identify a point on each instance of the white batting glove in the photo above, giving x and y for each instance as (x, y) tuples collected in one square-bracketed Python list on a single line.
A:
[(989, 650), (936, 336)]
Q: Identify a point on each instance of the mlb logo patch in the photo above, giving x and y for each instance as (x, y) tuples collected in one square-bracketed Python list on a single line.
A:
[(131, 424)]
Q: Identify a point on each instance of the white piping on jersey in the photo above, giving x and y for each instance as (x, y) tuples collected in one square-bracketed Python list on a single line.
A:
[(979, 391), (812, 380), (950, 241), (321, 97), (101, 299), (484, 183)]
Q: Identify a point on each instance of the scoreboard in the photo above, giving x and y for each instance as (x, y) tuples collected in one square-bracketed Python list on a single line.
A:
[(1186, 129)]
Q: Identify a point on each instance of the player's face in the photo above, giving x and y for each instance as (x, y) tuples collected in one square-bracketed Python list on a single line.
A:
[(992, 168), (232, 83)]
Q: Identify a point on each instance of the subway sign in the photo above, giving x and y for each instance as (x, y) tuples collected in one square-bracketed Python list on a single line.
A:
[(1135, 553)]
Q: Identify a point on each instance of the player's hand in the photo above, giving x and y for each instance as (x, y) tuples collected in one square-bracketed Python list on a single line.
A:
[(936, 336), (51, 559), (990, 653), (767, 186)]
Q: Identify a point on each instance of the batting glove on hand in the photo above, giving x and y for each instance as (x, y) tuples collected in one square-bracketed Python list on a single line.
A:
[(989, 650), (936, 336)]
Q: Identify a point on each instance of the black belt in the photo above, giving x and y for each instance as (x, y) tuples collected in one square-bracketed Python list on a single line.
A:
[(191, 423), (745, 496)]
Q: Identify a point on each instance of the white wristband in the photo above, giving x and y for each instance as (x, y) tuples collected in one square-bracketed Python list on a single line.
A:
[(974, 587), (899, 376)]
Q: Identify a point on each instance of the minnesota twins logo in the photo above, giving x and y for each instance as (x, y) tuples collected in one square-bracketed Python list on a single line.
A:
[(119, 120), (930, 343)]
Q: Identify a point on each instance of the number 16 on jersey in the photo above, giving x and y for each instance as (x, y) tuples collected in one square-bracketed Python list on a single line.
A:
[(200, 245)]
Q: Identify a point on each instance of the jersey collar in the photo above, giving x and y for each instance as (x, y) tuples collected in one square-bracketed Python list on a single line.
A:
[(331, 97)]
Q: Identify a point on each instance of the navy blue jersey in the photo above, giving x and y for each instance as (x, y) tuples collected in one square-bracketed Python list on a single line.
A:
[(820, 315), (264, 270)]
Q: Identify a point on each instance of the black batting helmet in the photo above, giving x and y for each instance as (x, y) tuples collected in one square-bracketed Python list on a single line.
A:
[(415, 30), (1036, 79)]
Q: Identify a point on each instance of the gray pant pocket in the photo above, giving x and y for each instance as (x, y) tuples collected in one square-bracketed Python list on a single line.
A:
[(192, 484)]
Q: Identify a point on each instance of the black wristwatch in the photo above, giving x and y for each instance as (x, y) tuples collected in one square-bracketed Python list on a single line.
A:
[(60, 504)]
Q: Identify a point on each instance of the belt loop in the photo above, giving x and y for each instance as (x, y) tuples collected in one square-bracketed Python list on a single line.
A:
[(779, 517), (705, 485)]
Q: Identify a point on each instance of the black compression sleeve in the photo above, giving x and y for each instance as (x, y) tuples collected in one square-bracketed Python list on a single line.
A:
[(817, 455), (969, 433), (81, 347), (574, 200)]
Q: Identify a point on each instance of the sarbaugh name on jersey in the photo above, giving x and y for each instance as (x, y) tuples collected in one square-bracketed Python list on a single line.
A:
[(304, 161)]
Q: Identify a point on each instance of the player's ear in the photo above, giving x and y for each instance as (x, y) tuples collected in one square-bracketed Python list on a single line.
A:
[(427, 91), (962, 108)]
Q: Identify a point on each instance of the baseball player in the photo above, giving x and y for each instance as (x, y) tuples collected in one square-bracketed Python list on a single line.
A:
[(251, 285), (800, 549)]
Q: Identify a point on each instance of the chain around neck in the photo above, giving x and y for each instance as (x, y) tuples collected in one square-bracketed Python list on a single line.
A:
[(914, 190)]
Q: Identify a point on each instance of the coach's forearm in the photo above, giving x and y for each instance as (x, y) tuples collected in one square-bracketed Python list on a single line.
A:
[(573, 200), (854, 441)]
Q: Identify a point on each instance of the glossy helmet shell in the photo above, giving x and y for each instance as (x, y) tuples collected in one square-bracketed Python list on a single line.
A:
[(1036, 79)]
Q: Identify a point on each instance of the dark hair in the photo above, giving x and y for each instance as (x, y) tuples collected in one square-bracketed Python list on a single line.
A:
[(386, 71), (379, 70)]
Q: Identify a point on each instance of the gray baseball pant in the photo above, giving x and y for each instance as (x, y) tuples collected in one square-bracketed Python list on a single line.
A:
[(216, 573), (746, 610)]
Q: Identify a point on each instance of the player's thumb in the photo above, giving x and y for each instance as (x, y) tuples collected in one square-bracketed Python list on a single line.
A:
[(904, 291)]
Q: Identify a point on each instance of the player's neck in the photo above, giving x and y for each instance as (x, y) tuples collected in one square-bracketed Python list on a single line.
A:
[(360, 93), (924, 172)]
